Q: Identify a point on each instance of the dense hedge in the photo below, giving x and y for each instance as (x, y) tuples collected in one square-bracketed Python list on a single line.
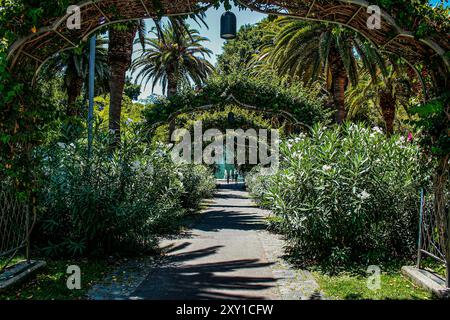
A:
[(345, 194), (115, 202)]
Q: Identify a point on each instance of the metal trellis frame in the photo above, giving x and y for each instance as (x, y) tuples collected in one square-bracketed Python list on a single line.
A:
[(429, 243), (16, 225)]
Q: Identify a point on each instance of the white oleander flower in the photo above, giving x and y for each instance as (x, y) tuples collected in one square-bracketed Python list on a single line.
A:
[(364, 195), (129, 121), (377, 129)]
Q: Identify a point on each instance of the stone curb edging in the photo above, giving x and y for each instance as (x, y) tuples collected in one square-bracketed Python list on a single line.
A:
[(428, 280), (23, 272)]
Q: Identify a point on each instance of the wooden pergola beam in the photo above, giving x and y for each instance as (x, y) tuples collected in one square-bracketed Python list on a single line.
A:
[(145, 8), (32, 57), (101, 11), (310, 8), (65, 38), (354, 15)]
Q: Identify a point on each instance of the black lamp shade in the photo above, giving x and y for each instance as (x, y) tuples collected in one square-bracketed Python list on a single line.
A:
[(228, 26)]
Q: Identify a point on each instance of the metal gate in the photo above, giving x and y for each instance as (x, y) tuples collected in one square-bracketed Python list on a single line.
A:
[(15, 226)]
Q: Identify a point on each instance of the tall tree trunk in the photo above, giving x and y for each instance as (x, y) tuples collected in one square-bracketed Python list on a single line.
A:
[(74, 86), (73, 92), (387, 105), (172, 89), (340, 81), (172, 83), (119, 54)]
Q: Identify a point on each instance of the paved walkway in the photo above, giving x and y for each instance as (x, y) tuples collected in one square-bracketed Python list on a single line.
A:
[(227, 255)]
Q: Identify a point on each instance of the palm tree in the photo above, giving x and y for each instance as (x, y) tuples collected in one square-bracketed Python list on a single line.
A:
[(121, 40), (386, 93), (74, 67), (120, 52), (310, 51), (174, 55)]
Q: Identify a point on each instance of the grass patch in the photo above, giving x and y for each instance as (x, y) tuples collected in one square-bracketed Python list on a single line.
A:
[(50, 282), (353, 286), (14, 260)]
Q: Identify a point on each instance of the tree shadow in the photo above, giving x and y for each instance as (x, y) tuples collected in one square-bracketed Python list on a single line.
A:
[(231, 186), (229, 196), (233, 206), (232, 220), (181, 277)]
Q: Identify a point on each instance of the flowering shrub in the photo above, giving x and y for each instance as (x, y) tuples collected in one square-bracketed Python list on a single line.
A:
[(198, 184), (115, 202), (345, 194)]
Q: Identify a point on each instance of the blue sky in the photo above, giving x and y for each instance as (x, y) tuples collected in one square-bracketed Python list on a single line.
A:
[(213, 33)]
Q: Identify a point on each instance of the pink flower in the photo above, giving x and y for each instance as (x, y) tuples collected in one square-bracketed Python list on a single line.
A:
[(410, 137)]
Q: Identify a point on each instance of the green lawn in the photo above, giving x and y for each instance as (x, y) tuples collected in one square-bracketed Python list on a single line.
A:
[(50, 282), (352, 286)]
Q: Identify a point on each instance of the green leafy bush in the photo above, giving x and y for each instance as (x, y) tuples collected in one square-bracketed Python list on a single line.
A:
[(198, 183), (115, 202), (345, 194)]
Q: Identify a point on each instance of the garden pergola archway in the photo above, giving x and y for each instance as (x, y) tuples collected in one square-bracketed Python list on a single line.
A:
[(230, 99), (35, 49)]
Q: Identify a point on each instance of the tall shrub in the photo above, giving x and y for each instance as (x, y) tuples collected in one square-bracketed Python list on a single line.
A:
[(346, 194), (113, 202)]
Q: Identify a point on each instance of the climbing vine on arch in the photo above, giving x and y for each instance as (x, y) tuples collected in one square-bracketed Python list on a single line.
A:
[(272, 96)]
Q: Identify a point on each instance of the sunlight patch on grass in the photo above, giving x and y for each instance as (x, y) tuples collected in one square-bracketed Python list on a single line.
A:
[(346, 286)]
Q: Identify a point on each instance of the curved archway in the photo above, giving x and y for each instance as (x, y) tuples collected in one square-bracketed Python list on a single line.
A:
[(231, 100), (36, 48)]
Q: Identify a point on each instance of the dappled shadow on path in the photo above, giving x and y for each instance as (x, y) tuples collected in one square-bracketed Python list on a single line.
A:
[(253, 207), (220, 257), (229, 196), (182, 277), (231, 185), (236, 220)]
